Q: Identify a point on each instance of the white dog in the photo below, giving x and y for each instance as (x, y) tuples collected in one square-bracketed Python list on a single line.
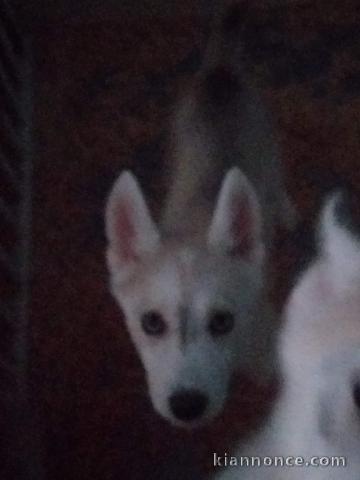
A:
[(192, 287), (318, 412)]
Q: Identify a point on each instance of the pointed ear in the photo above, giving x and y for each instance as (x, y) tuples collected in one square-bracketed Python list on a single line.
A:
[(339, 246), (130, 229), (236, 224)]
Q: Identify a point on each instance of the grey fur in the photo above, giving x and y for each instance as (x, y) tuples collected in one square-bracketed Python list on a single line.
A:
[(221, 123)]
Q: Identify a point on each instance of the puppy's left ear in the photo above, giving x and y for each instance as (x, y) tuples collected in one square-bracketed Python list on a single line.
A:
[(130, 230), (236, 226), (339, 245)]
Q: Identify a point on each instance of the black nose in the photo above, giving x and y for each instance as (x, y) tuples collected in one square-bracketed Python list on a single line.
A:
[(188, 405), (356, 393)]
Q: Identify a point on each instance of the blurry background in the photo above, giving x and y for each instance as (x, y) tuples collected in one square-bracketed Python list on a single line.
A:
[(106, 74)]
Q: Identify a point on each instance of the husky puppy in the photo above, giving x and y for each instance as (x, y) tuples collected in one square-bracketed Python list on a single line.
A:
[(192, 287), (321, 351), (317, 416)]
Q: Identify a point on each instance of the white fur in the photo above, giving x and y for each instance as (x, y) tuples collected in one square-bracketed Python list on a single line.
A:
[(319, 348), (165, 275)]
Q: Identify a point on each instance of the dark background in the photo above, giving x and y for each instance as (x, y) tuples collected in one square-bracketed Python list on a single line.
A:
[(107, 74)]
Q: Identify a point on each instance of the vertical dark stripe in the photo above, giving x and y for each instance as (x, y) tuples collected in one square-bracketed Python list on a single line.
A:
[(19, 446), (184, 327)]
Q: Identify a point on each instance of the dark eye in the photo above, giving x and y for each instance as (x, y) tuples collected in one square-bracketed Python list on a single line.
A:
[(221, 322), (153, 324)]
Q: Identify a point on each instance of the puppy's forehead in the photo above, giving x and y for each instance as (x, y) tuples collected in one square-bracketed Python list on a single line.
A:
[(173, 273), (175, 277)]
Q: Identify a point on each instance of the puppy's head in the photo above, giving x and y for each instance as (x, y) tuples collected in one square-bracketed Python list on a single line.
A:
[(190, 308), (323, 312), (320, 343)]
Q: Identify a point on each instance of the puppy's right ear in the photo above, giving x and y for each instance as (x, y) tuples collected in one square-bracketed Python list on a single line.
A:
[(339, 247), (236, 226), (130, 230)]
